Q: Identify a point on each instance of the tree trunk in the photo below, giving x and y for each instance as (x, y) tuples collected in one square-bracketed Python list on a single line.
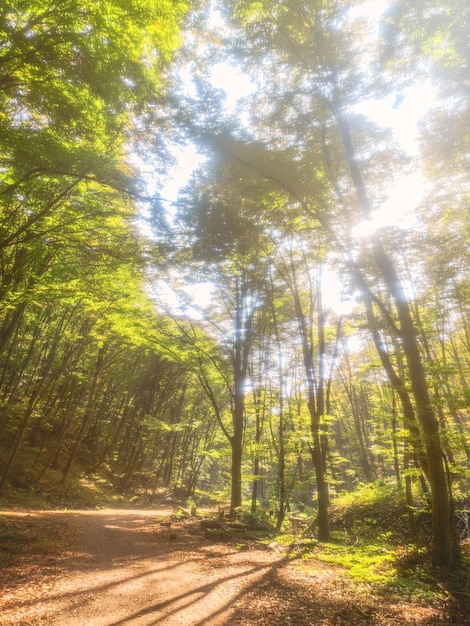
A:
[(445, 551), (256, 464), (244, 312), (236, 440), (236, 482), (407, 462), (445, 546), (322, 488), (409, 417)]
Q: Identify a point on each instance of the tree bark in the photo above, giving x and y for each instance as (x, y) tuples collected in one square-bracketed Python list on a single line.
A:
[(236, 443), (445, 551)]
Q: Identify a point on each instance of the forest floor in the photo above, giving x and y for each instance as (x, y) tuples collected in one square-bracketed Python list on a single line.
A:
[(117, 567)]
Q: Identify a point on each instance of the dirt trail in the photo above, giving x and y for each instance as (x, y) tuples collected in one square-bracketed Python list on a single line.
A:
[(133, 570), (128, 567)]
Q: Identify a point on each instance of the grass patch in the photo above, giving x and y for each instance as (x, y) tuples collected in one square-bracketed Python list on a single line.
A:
[(366, 563), (377, 564)]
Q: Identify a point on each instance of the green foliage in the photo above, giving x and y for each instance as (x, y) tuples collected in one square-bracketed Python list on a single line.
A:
[(79, 337), (366, 563), (73, 83), (261, 519), (379, 492)]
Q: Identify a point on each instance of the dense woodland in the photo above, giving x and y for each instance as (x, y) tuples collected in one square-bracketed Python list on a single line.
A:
[(267, 338)]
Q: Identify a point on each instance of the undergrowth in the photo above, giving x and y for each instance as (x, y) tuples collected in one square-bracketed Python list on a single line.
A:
[(371, 543)]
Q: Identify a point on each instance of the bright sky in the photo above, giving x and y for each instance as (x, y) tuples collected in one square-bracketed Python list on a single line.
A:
[(403, 194)]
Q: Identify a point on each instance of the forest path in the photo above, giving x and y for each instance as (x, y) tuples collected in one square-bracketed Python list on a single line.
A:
[(141, 573), (128, 567)]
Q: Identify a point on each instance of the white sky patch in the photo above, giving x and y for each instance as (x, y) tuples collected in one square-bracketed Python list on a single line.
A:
[(402, 113), (189, 300), (403, 197), (406, 192), (233, 82), (201, 294), (333, 293)]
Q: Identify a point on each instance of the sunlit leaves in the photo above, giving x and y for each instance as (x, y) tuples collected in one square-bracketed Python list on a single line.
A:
[(73, 81)]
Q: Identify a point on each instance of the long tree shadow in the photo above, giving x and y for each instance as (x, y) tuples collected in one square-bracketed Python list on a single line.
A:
[(203, 590), (97, 589)]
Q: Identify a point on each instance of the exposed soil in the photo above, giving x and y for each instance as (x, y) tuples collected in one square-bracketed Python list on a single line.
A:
[(116, 567)]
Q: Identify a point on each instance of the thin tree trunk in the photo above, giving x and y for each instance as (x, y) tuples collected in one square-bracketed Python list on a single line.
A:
[(256, 463)]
